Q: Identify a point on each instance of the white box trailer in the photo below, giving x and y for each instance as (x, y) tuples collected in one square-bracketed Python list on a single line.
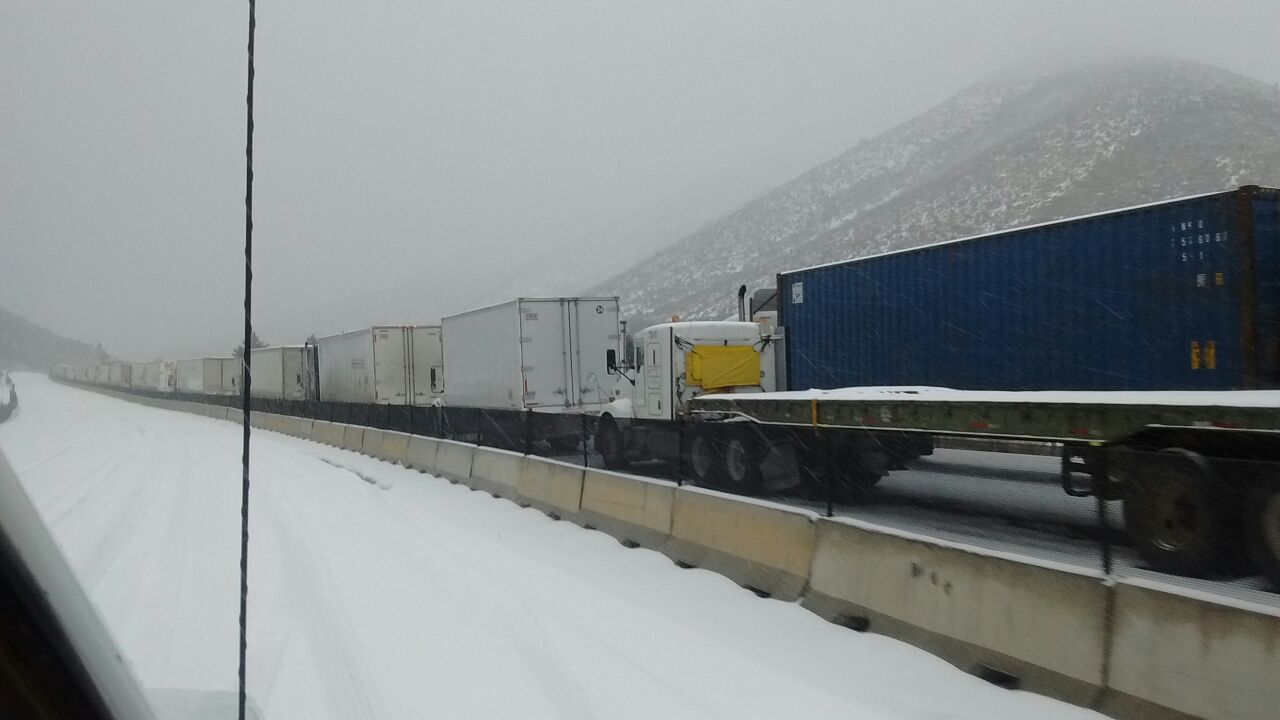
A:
[(230, 369), (428, 364), (384, 365), (118, 373), (200, 375), (137, 374), (159, 375), (284, 373), (544, 354)]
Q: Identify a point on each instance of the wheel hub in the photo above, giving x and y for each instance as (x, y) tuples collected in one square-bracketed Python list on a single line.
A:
[(701, 457), (1175, 521), (735, 462)]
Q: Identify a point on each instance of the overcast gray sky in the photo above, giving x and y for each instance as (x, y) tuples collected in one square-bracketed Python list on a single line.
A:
[(453, 151)]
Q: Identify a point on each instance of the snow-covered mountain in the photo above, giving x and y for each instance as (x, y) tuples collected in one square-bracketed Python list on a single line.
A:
[(27, 346), (1014, 150)]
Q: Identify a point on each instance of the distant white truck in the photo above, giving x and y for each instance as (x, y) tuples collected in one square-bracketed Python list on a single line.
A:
[(383, 365)]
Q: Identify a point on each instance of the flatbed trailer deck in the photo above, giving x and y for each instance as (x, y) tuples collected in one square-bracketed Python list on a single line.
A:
[(1066, 417), (1199, 472)]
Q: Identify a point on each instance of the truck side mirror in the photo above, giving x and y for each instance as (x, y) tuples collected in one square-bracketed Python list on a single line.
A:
[(611, 361)]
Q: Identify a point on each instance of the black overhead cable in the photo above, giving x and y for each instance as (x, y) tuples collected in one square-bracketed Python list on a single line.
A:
[(246, 379)]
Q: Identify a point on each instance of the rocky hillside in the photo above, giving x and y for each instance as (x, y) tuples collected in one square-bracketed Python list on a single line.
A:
[(1007, 152), (27, 346)]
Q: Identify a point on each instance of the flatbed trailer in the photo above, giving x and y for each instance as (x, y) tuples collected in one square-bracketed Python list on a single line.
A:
[(1199, 472)]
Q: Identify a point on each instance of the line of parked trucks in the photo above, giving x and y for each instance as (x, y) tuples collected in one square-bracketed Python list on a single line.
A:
[(1124, 337)]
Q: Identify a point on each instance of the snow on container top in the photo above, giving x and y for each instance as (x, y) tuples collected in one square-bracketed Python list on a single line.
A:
[(1182, 294)]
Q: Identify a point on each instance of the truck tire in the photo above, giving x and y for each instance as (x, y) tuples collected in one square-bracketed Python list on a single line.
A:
[(1264, 541), (609, 443), (742, 460), (705, 460), (1175, 513)]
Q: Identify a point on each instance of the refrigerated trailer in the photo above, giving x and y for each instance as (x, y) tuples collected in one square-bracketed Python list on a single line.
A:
[(538, 366), (158, 376), (231, 369), (138, 375), (118, 374), (385, 365), (544, 354), (283, 372), (200, 375)]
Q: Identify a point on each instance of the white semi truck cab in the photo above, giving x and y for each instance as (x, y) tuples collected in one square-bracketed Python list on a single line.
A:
[(667, 365)]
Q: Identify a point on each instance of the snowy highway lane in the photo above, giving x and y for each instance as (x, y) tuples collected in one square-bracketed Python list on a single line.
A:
[(379, 592)]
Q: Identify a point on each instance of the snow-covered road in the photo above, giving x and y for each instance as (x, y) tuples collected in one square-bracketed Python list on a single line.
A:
[(379, 592)]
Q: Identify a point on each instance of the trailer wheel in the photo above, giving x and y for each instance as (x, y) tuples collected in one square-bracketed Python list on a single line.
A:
[(1174, 515), (1265, 533), (742, 464), (609, 444), (704, 458)]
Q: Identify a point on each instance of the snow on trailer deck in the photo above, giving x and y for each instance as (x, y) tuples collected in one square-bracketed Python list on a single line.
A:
[(1177, 398), (379, 592)]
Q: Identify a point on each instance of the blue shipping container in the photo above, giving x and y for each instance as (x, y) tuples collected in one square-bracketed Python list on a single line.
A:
[(1183, 295)]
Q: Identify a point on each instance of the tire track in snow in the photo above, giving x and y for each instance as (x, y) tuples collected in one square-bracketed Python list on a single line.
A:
[(322, 618), (531, 639)]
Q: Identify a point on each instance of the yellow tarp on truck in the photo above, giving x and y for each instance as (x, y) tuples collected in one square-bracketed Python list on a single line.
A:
[(714, 367)]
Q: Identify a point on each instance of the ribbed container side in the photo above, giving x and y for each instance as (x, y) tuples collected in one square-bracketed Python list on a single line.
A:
[(1175, 295)]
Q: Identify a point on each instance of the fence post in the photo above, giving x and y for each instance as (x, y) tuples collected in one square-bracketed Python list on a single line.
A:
[(824, 442), (479, 426), (680, 451), (1101, 477), (584, 439)]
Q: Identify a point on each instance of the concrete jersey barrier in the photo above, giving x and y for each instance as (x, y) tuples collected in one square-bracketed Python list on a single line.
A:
[(634, 510), (1193, 656), (301, 428), (422, 454), (352, 437), (395, 447), (496, 472), (551, 486), (766, 547), (453, 460), (1044, 626), (371, 443), (327, 433)]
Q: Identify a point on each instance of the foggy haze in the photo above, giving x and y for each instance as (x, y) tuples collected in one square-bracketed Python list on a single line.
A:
[(414, 159)]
